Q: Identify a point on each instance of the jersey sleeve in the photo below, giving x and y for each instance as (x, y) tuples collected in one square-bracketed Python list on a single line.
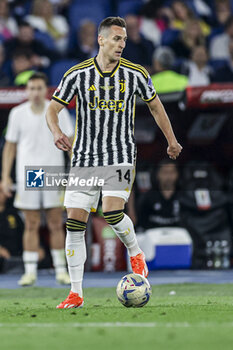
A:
[(65, 122), (13, 127), (145, 87), (67, 88)]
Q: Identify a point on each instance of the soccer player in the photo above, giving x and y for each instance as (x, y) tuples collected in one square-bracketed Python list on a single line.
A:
[(29, 140), (105, 87)]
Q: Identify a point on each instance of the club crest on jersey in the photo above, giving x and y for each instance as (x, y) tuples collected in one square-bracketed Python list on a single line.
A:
[(112, 105), (122, 85)]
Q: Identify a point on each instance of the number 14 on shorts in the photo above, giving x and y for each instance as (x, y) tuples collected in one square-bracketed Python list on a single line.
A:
[(124, 175)]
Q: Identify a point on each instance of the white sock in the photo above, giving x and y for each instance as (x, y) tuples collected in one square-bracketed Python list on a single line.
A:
[(76, 273), (76, 257), (30, 260), (59, 261), (125, 231)]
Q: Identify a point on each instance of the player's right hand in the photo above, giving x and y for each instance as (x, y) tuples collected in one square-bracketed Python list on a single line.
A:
[(6, 185), (62, 142)]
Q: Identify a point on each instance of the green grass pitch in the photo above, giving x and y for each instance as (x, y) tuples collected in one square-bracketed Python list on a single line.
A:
[(197, 317)]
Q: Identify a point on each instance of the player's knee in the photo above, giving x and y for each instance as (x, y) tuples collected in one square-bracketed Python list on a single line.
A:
[(55, 225), (32, 224), (114, 217), (75, 231), (73, 225)]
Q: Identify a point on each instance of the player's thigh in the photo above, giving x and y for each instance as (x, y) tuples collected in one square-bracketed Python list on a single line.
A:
[(77, 214), (54, 218), (117, 189), (31, 219), (110, 203), (80, 203)]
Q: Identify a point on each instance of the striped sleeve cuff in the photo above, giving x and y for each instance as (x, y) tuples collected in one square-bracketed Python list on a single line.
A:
[(150, 99), (60, 100)]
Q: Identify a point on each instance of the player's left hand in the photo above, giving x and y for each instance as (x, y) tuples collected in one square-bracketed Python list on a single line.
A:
[(174, 150)]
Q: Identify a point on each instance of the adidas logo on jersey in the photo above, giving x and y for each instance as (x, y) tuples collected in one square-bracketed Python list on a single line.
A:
[(92, 88)]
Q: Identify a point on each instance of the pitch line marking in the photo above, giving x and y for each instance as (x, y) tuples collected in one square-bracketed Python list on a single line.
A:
[(116, 324)]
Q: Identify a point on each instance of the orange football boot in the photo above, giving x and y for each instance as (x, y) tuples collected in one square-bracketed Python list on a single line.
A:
[(72, 301), (138, 264)]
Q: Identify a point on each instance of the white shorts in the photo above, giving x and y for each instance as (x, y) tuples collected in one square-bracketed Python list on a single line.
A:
[(36, 200), (88, 200)]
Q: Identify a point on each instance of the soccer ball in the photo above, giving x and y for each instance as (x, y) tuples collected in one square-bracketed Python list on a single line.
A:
[(133, 290)]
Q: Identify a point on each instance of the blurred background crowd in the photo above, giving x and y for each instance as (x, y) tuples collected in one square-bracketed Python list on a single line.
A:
[(181, 43), (192, 40)]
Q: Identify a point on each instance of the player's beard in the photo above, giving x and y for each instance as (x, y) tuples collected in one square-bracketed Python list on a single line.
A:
[(113, 60)]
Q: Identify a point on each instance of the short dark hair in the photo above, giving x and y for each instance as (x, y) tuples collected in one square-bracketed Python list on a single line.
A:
[(24, 24), (111, 21), (165, 56), (155, 170), (229, 22), (166, 161), (39, 75), (26, 53)]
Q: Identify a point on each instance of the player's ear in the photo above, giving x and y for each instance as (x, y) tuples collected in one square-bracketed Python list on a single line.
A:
[(100, 40)]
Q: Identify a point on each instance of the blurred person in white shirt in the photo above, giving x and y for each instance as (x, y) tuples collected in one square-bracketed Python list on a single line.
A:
[(219, 45), (197, 69), (29, 140)]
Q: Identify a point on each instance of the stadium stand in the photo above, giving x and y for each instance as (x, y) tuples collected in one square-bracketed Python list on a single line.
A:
[(57, 70)]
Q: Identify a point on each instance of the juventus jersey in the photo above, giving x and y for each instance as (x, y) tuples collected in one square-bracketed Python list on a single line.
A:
[(105, 110)]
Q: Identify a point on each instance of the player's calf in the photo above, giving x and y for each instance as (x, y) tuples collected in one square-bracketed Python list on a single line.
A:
[(124, 229)]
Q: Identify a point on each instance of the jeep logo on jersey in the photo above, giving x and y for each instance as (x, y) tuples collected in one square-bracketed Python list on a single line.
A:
[(112, 105)]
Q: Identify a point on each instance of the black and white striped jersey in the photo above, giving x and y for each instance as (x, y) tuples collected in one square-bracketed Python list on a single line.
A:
[(104, 132)]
